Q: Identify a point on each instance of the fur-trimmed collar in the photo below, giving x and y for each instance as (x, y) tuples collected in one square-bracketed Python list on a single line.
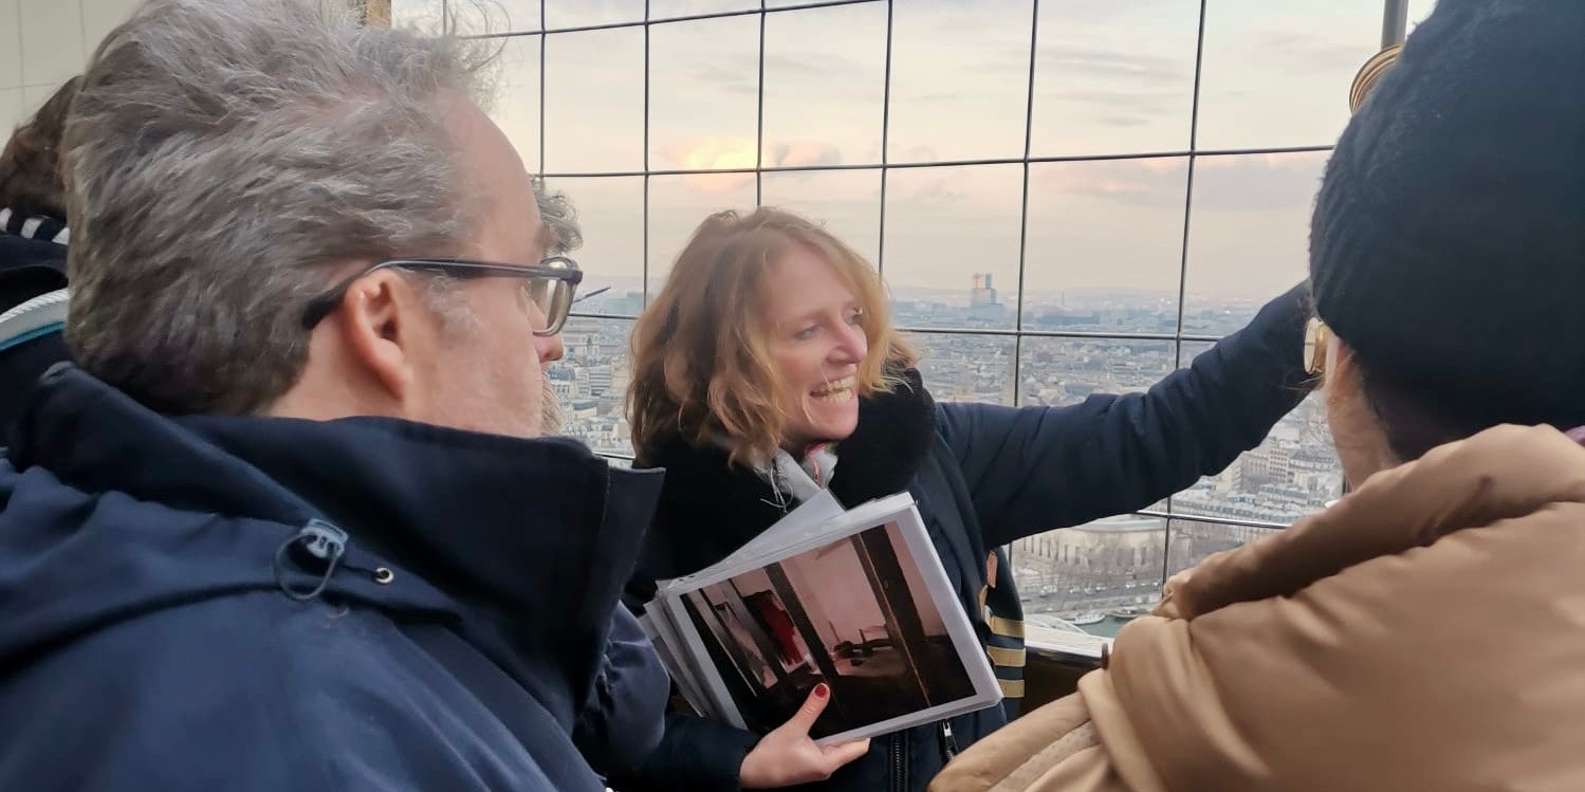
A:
[(710, 507)]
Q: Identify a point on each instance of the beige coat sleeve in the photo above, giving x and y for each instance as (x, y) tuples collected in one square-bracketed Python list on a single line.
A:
[(1054, 747)]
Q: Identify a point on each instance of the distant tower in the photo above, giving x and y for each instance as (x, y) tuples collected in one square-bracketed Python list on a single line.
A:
[(983, 294)]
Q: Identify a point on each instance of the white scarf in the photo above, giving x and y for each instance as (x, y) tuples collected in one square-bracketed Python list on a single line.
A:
[(788, 478)]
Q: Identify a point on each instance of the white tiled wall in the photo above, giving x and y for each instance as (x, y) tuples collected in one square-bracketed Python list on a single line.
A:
[(43, 43)]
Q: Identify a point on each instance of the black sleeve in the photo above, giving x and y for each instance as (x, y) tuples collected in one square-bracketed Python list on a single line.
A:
[(622, 721), (1033, 469), (694, 754)]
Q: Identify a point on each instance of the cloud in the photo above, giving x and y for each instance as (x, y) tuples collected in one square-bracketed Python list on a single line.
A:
[(1152, 182), (1137, 101), (1261, 183), (826, 66), (726, 77), (1076, 62), (1304, 53), (802, 153)]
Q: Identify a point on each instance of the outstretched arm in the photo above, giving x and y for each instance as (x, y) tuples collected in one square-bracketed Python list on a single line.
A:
[(1033, 469)]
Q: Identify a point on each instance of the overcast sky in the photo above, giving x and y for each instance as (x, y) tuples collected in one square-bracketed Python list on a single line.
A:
[(1111, 77)]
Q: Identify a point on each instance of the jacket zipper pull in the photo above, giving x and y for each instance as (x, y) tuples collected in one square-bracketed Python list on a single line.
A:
[(948, 745)]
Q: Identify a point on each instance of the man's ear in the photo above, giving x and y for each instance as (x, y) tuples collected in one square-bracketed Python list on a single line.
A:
[(379, 319)]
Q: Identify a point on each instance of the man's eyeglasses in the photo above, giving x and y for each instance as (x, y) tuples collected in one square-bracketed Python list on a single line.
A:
[(549, 286)]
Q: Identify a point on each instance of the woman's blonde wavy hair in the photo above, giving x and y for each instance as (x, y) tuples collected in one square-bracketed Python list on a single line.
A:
[(702, 368)]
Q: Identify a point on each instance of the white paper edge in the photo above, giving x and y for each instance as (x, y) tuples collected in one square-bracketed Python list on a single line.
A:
[(714, 686)]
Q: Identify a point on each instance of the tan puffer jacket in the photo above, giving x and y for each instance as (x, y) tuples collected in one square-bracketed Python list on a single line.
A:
[(1425, 633)]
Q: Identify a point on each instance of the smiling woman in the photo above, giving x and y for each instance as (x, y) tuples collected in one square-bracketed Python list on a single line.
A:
[(768, 370), (782, 316)]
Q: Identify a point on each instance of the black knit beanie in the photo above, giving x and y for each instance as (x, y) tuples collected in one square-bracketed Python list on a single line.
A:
[(1448, 242)]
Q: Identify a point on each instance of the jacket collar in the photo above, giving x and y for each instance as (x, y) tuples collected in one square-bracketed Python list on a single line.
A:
[(895, 431), (532, 538)]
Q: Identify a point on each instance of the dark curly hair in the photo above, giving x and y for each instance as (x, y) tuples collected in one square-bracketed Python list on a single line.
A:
[(31, 180)]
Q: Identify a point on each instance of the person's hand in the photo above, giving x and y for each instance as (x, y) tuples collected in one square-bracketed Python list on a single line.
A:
[(787, 756)]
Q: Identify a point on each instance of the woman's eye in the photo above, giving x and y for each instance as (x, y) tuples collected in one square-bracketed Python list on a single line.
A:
[(806, 333), (856, 318)]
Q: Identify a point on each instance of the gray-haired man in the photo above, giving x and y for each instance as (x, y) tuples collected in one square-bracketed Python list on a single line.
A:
[(289, 526)]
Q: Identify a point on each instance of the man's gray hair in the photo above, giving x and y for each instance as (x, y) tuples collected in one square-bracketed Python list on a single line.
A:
[(221, 156)]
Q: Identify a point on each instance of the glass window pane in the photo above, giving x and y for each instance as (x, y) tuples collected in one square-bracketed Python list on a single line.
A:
[(591, 383), (1249, 235), (1105, 244), (1114, 78), (1065, 371), (425, 16), (1193, 540), (825, 74), (1418, 11), (951, 253), (678, 204), (102, 16), (514, 95), (11, 104), (1277, 74), (578, 13), (594, 101), (1094, 577), (968, 368), (847, 203), (494, 17), (1293, 473), (668, 9), (704, 84), (611, 216), (960, 79)]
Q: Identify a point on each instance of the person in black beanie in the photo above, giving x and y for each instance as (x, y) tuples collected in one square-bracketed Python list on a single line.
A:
[(1425, 631), (1448, 240)]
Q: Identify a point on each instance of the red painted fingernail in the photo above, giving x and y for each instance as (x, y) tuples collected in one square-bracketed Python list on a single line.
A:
[(821, 691)]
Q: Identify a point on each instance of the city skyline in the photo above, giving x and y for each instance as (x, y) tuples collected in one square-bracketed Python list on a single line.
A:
[(1292, 473)]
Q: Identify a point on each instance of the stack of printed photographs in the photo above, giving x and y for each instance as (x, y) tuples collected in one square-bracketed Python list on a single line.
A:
[(856, 599)]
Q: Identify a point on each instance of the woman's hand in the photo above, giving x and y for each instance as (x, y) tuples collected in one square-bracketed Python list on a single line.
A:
[(787, 756)]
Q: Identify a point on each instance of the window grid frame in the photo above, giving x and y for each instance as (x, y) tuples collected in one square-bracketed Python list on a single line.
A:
[(1018, 332)]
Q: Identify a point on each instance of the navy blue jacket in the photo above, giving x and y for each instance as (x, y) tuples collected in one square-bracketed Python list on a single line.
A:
[(983, 475), (464, 640)]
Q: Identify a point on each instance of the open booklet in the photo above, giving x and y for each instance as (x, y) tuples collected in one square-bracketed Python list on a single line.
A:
[(857, 599)]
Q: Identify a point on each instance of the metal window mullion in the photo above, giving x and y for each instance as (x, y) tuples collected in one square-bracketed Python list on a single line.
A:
[(946, 163), (1211, 519), (886, 123), (1077, 335), (643, 300), (1183, 260), (646, 22), (1023, 210), (544, 44), (1394, 22), (759, 118)]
